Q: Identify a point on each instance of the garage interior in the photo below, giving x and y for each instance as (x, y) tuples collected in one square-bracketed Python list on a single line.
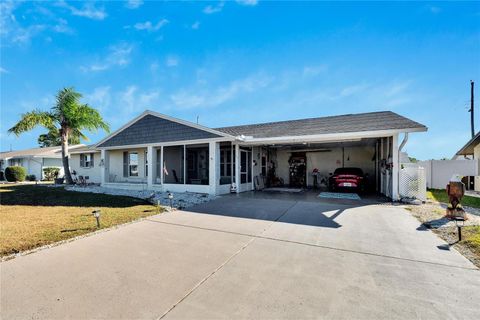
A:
[(295, 165)]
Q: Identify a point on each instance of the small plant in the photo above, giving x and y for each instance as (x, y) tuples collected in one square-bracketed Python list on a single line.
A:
[(50, 173), (31, 177), (15, 173)]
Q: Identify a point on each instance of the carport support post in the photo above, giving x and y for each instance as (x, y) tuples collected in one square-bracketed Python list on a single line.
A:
[(395, 171), (237, 167), (213, 166)]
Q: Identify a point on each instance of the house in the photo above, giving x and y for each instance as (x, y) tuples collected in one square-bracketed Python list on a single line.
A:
[(159, 152), (471, 151), (34, 160), (85, 162)]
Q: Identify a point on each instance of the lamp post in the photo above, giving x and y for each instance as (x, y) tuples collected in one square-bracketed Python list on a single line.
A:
[(170, 196), (96, 213)]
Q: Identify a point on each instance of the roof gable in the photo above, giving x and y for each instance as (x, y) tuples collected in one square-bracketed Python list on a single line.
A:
[(155, 128)]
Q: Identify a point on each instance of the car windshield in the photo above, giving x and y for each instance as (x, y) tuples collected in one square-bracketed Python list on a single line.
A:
[(355, 171)]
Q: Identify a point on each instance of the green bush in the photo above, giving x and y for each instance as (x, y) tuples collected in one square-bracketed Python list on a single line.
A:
[(31, 177), (15, 173), (50, 173)]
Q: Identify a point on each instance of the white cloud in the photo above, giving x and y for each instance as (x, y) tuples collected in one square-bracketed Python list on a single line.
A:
[(133, 4), (88, 10), (434, 9), (2, 70), (196, 97), (172, 61), (312, 71), (23, 35), (214, 8), (100, 97), (247, 2), (354, 89), (195, 25), (150, 27), (133, 101), (119, 55), (62, 27)]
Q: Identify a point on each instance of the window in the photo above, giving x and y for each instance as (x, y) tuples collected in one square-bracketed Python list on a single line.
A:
[(16, 162), (197, 164), (133, 164), (86, 160), (245, 166), (225, 165)]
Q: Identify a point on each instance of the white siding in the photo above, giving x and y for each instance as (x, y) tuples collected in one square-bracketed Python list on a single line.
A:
[(92, 173)]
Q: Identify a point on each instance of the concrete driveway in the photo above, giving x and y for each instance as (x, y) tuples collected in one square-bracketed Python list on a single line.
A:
[(249, 256)]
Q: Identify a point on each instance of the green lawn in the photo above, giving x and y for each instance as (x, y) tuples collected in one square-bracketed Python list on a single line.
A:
[(440, 195), (32, 216)]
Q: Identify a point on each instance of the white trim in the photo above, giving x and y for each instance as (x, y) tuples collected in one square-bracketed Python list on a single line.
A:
[(330, 137), (165, 117), (166, 144)]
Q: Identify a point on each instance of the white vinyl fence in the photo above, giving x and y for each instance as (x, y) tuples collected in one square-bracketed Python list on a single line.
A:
[(439, 172), (412, 181)]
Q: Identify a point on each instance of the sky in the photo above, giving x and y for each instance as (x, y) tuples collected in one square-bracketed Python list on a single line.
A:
[(241, 62)]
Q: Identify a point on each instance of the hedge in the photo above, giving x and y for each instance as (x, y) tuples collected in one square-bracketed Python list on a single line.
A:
[(15, 173), (50, 173)]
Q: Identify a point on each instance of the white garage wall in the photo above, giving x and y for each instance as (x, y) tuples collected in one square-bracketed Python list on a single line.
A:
[(327, 161)]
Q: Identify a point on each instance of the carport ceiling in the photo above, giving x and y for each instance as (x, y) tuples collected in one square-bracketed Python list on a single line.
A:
[(330, 145)]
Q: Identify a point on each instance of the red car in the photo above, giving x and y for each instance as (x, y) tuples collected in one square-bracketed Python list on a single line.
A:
[(347, 178)]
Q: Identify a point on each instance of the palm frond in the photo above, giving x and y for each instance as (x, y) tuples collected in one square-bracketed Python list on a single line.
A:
[(33, 119)]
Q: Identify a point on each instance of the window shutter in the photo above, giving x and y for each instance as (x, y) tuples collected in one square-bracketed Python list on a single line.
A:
[(82, 160), (125, 163), (92, 164)]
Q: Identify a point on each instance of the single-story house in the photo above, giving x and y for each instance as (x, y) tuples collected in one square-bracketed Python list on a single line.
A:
[(85, 162), (34, 160), (471, 150), (159, 152)]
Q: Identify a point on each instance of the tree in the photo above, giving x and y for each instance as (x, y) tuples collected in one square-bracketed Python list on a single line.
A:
[(53, 139), (68, 117)]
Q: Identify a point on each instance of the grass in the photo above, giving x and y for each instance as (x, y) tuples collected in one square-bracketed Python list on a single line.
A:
[(440, 195), (471, 238), (33, 216)]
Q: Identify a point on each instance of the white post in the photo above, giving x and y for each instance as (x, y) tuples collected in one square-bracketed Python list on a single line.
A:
[(104, 172), (213, 164), (237, 167), (395, 171), (151, 167), (161, 166)]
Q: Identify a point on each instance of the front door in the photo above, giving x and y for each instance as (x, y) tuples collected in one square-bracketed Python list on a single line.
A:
[(245, 166)]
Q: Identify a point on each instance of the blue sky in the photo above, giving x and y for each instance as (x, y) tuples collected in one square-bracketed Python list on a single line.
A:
[(244, 62)]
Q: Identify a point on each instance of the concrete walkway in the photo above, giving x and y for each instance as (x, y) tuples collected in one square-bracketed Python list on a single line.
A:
[(249, 256)]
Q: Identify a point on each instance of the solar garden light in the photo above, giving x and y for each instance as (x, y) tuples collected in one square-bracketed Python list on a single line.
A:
[(158, 206), (170, 196), (96, 214), (460, 223)]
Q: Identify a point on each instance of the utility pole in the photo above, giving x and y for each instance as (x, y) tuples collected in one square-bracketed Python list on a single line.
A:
[(472, 124)]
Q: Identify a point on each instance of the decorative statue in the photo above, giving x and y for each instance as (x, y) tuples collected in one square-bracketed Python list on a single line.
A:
[(455, 192)]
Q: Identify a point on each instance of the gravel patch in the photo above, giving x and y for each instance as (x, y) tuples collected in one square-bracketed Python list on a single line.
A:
[(180, 200), (432, 216)]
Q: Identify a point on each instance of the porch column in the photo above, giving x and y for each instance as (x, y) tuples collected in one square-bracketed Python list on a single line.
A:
[(104, 171), (161, 166), (213, 166), (151, 166), (395, 171), (237, 167)]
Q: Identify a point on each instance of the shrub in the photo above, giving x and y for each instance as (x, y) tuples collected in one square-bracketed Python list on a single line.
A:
[(15, 173), (50, 173), (31, 177)]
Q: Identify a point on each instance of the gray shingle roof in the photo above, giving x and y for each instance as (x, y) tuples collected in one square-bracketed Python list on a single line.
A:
[(152, 129), (374, 121), (467, 149)]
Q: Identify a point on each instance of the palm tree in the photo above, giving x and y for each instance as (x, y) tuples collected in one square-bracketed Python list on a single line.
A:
[(52, 139), (68, 117)]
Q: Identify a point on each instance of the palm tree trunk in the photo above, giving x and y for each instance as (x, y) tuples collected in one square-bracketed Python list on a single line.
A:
[(66, 166)]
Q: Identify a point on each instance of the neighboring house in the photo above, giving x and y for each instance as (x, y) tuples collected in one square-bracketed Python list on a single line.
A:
[(471, 150), (158, 152), (33, 160)]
